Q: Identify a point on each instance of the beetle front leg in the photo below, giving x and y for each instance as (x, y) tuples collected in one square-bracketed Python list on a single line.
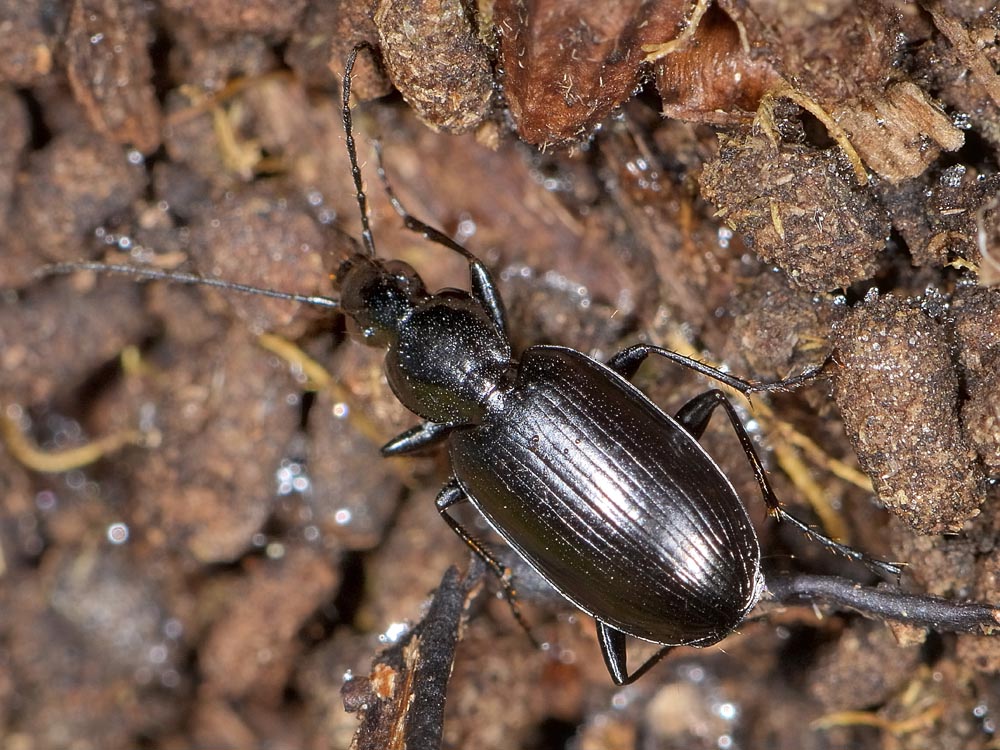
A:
[(422, 436), (452, 494), (694, 417), (614, 649), (482, 286), (627, 361)]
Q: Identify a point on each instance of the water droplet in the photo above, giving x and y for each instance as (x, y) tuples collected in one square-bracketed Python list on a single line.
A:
[(394, 632), (118, 533), (46, 501), (173, 628), (727, 711), (158, 653)]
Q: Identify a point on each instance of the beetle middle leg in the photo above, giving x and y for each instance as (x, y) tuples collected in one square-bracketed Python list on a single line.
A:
[(626, 363), (452, 494), (694, 417)]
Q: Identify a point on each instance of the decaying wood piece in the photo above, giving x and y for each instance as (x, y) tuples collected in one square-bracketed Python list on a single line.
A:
[(435, 58), (567, 65), (899, 393), (401, 701), (846, 57)]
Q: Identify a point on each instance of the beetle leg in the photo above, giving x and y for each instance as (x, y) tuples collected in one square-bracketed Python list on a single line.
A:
[(452, 494), (483, 288), (415, 438), (615, 651), (696, 413), (694, 416), (627, 361)]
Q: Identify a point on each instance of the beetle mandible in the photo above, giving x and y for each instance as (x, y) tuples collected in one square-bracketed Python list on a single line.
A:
[(613, 501)]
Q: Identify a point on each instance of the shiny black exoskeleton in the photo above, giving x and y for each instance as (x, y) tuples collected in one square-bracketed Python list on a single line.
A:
[(613, 501)]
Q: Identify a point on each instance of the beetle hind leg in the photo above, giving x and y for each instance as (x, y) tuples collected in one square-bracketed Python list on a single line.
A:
[(694, 417), (614, 649), (452, 494), (626, 363)]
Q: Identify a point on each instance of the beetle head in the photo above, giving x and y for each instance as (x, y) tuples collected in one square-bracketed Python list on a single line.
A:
[(377, 296)]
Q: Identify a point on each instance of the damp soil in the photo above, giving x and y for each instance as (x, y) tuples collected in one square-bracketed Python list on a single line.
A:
[(200, 544)]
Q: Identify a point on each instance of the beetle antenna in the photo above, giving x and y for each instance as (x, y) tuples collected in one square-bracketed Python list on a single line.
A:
[(156, 274), (352, 153)]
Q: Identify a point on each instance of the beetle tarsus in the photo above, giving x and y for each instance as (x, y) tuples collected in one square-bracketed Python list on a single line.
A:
[(787, 384), (881, 567)]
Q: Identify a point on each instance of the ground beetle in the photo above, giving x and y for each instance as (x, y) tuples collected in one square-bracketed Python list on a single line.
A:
[(613, 501)]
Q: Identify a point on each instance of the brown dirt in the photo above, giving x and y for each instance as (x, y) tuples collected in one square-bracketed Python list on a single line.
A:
[(825, 185)]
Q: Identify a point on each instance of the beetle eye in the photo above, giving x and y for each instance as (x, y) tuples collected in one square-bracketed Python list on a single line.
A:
[(405, 273)]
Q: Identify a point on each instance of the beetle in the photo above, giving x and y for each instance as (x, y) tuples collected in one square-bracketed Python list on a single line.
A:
[(612, 500)]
